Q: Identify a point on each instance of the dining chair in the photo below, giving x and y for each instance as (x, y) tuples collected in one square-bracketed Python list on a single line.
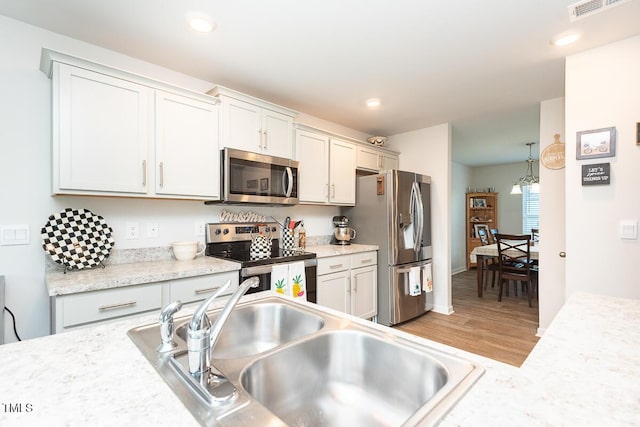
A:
[(515, 263), (493, 232), (535, 234), (490, 264)]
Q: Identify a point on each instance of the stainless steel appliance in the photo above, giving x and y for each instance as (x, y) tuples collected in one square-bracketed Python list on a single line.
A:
[(342, 234), (256, 178), (232, 241), (393, 211)]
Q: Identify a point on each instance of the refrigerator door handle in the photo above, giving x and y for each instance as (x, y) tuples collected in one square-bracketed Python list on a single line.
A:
[(416, 214), (420, 206)]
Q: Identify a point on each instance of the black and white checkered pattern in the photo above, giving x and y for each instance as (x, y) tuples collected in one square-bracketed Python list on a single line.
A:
[(77, 239)]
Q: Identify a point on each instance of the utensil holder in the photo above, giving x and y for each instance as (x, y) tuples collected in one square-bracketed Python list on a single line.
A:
[(287, 243)]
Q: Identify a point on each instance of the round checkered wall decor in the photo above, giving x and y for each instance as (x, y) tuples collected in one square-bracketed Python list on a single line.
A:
[(76, 238)]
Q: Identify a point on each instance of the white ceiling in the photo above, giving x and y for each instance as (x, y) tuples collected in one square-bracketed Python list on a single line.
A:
[(483, 66)]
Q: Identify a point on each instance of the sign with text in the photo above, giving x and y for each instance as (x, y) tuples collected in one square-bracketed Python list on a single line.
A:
[(596, 174)]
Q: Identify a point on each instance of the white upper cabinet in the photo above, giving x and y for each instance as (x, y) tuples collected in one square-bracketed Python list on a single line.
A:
[(101, 132), (250, 124), (187, 158), (342, 172), (373, 159), (120, 134), (312, 152), (327, 169)]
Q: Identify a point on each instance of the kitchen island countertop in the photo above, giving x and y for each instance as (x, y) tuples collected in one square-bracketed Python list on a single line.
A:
[(583, 371)]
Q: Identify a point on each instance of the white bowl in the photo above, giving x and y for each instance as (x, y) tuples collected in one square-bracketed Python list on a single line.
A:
[(185, 251)]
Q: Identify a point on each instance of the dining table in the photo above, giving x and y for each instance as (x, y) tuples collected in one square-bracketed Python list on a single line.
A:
[(479, 253)]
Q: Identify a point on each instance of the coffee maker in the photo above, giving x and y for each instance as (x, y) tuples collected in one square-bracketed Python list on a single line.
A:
[(342, 234)]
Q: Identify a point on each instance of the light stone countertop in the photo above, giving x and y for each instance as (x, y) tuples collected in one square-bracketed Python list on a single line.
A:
[(136, 273), (584, 371), (324, 251)]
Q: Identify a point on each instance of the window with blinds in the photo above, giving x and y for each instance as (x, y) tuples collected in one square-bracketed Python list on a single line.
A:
[(530, 210)]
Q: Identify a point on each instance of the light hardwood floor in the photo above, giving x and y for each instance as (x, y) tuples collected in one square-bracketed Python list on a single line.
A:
[(503, 331)]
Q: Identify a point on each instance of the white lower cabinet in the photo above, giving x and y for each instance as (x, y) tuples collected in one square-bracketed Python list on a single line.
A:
[(195, 289), (348, 283), (91, 308)]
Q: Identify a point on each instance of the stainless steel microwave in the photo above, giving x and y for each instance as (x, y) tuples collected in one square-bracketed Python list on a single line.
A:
[(257, 178)]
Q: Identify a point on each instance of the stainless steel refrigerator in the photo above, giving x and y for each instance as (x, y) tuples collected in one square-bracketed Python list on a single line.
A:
[(393, 211)]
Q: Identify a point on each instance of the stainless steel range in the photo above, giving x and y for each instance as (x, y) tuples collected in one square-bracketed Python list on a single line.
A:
[(232, 242)]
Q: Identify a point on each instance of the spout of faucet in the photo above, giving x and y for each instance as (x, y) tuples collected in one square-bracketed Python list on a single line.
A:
[(198, 317), (216, 329)]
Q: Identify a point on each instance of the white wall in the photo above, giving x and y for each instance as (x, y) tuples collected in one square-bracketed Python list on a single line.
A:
[(460, 180), (25, 172), (428, 151), (502, 178), (552, 218), (603, 90)]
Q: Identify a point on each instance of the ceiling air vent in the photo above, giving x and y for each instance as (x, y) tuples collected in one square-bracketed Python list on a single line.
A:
[(586, 8)]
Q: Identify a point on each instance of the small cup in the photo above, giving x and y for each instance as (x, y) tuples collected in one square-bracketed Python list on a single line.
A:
[(185, 251)]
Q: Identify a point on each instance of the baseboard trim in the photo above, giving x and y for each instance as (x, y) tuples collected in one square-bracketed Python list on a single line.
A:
[(458, 270), (541, 332), (443, 309)]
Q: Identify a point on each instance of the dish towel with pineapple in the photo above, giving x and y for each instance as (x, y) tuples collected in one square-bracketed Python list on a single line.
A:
[(289, 279), (297, 280), (280, 278)]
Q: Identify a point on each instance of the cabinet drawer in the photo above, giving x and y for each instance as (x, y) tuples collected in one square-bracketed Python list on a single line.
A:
[(200, 287), (102, 305), (364, 259), (333, 264)]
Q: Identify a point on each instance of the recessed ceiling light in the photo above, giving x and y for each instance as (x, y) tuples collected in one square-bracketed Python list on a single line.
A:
[(565, 39), (373, 102), (200, 21), (201, 25)]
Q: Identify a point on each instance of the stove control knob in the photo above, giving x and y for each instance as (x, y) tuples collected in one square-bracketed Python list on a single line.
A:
[(217, 231), (225, 231), (273, 229)]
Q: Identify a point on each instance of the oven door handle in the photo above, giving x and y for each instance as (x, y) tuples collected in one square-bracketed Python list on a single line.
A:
[(264, 269)]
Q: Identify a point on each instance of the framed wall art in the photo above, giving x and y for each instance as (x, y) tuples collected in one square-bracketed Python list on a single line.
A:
[(638, 133), (593, 144)]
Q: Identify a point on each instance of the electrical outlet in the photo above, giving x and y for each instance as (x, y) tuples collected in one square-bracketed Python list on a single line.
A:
[(132, 231), (200, 228), (152, 230)]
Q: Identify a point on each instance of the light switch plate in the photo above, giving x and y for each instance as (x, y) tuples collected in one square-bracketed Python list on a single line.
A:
[(629, 229), (14, 234)]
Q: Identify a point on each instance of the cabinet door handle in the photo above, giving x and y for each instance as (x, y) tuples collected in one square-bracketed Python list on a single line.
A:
[(355, 284), (333, 190), (366, 260), (334, 266), (265, 139), (260, 139), (115, 306), (161, 174), (205, 290), (327, 191), (144, 173)]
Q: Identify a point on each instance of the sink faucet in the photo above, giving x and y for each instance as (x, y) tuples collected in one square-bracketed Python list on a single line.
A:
[(202, 338)]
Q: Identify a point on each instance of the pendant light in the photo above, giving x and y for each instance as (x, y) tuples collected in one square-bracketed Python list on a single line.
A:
[(529, 179)]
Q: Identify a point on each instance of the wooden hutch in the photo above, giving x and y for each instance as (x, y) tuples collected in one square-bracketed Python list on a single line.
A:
[(482, 211)]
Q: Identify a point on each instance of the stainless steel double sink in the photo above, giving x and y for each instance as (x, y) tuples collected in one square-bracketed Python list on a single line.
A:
[(296, 365)]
